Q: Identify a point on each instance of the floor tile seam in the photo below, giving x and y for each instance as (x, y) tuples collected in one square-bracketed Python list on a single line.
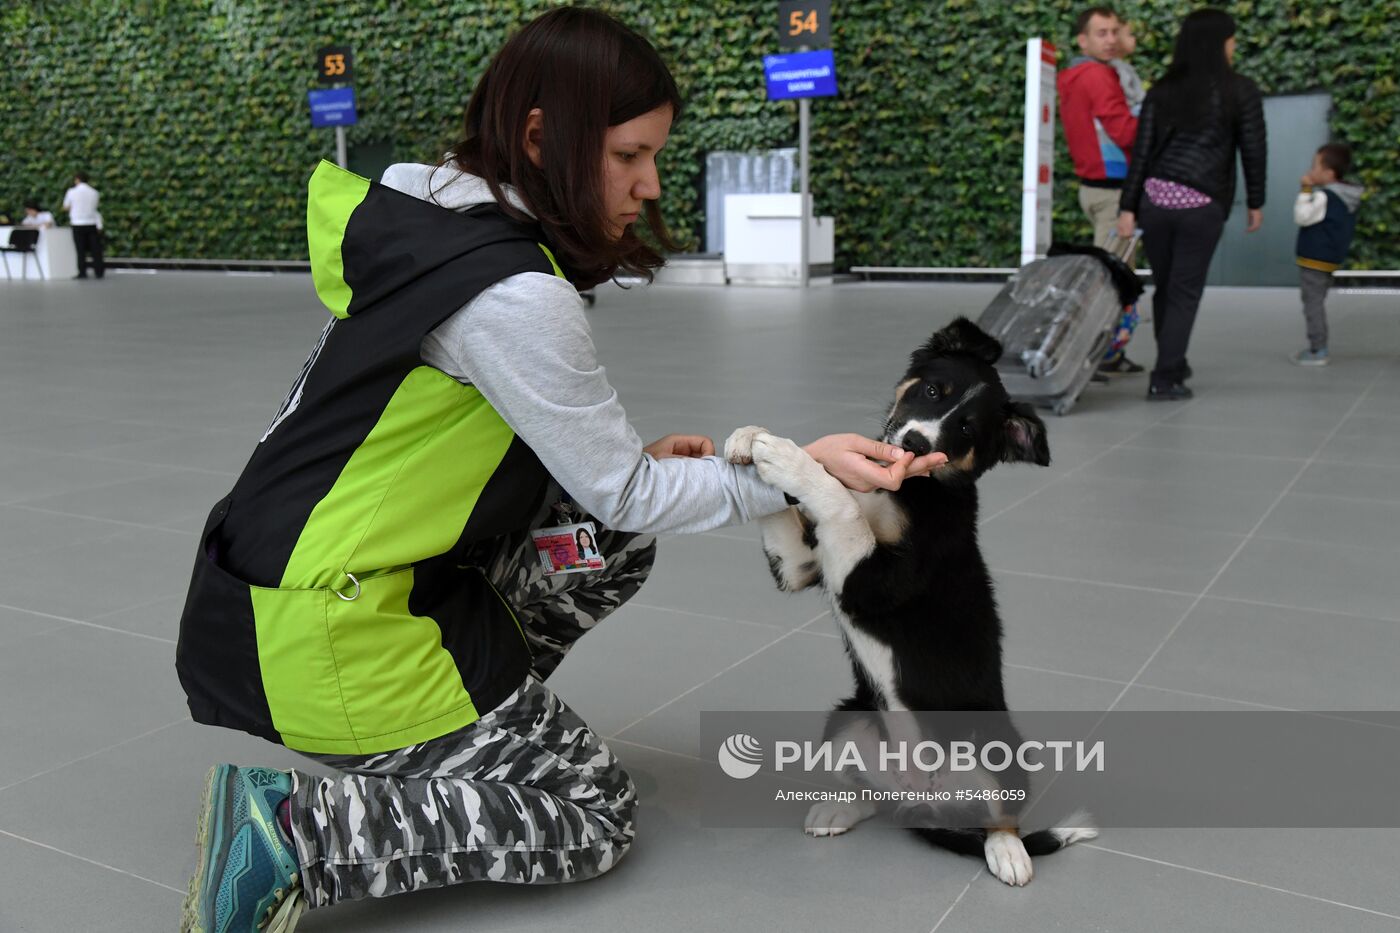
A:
[(1049, 670), (1360, 616), (1238, 549), (1103, 583), (1214, 453), (815, 634), (42, 448), (88, 455), (1211, 696), (1315, 494), (1373, 464), (94, 862), (49, 548), (7, 645), (94, 754), (706, 615), (1337, 715), (1111, 680), (1383, 416), (1092, 460), (748, 657), (91, 624), (160, 471), (957, 900), (40, 613), (1174, 482), (1315, 542), (143, 605), (1237, 880), (1185, 593), (654, 748), (122, 631), (92, 518)]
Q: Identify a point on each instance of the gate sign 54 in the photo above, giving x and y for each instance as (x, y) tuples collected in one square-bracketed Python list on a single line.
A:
[(801, 74)]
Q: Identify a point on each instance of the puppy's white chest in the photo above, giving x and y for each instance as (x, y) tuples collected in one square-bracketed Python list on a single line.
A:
[(877, 660), (887, 519)]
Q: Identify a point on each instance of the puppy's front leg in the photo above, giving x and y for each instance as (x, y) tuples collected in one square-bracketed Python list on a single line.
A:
[(787, 541), (844, 537)]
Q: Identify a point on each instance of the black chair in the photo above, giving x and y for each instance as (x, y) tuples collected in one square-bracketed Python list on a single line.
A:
[(24, 242)]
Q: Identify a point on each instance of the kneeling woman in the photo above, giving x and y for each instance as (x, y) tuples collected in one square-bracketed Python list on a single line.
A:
[(370, 593)]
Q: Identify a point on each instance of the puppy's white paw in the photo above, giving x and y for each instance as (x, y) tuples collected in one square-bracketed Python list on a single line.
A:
[(739, 447), (833, 819), (1007, 858), (783, 464)]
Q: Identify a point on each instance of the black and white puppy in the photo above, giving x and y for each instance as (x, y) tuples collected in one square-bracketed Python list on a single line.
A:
[(907, 582)]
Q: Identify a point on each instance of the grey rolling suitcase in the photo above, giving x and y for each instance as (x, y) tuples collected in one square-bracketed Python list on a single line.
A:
[(1055, 319)]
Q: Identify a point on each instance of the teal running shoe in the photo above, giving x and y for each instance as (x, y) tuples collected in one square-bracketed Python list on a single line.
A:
[(246, 879)]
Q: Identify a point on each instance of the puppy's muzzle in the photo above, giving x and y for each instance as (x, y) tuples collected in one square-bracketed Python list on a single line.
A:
[(916, 443)]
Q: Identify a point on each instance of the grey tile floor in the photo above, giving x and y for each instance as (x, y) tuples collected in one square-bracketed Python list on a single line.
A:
[(1236, 552)]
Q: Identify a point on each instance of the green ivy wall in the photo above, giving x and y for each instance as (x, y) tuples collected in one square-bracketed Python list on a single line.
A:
[(191, 116)]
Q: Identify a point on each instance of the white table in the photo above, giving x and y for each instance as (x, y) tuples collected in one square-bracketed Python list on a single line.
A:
[(55, 252)]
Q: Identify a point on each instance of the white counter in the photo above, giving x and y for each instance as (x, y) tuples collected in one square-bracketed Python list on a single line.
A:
[(762, 237), (55, 251)]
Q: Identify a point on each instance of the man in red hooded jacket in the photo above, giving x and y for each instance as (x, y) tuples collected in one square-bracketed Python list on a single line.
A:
[(1099, 127)]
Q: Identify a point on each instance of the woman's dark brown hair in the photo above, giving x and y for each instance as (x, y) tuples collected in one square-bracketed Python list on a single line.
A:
[(586, 72)]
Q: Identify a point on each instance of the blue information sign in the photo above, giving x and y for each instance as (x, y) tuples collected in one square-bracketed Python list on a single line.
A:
[(334, 107), (801, 74)]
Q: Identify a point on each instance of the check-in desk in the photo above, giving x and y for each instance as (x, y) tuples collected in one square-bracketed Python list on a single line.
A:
[(55, 254), (762, 240)]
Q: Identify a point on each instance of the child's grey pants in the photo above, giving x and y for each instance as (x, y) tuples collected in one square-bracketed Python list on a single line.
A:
[(1315, 284), (526, 794)]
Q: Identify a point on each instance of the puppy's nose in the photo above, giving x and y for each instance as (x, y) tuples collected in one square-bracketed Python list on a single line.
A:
[(916, 443)]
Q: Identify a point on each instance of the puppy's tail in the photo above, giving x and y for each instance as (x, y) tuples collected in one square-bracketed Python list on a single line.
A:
[(1079, 827), (962, 841)]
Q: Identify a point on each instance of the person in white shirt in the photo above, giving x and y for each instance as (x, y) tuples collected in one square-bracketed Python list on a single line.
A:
[(35, 216), (80, 201)]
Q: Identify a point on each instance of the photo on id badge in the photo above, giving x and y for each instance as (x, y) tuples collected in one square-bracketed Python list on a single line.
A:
[(568, 549)]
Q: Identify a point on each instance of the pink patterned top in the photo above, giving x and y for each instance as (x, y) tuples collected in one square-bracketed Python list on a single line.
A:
[(1172, 195)]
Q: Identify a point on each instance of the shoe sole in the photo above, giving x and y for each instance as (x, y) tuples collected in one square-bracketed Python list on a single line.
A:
[(190, 919)]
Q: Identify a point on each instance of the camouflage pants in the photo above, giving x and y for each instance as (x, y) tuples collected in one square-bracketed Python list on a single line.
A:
[(526, 794)]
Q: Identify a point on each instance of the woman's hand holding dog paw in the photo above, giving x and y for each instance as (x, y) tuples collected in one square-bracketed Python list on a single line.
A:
[(864, 465)]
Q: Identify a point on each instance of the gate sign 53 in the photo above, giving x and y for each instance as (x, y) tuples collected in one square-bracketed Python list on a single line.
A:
[(333, 65), (802, 74)]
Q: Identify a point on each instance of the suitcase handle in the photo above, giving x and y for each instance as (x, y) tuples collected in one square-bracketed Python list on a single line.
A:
[(1123, 249)]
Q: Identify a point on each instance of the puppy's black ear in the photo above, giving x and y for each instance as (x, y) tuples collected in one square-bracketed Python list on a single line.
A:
[(962, 336), (1024, 439)]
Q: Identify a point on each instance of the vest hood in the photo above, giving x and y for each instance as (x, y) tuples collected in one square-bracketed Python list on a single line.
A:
[(368, 240)]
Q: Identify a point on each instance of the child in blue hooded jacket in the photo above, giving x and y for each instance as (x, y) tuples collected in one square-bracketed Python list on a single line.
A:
[(1326, 215)]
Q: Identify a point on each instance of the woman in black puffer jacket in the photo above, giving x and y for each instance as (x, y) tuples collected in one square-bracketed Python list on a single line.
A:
[(1182, 180)]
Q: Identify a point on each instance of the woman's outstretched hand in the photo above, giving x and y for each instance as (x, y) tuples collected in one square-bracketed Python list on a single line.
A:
[(1254, 219), (681, 445), (863, 465), (1127, 222)]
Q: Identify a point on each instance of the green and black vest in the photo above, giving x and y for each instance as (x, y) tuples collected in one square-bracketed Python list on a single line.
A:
[(334, 607)]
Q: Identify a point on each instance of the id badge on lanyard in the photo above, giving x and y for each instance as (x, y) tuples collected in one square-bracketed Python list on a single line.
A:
[(568, 549)]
